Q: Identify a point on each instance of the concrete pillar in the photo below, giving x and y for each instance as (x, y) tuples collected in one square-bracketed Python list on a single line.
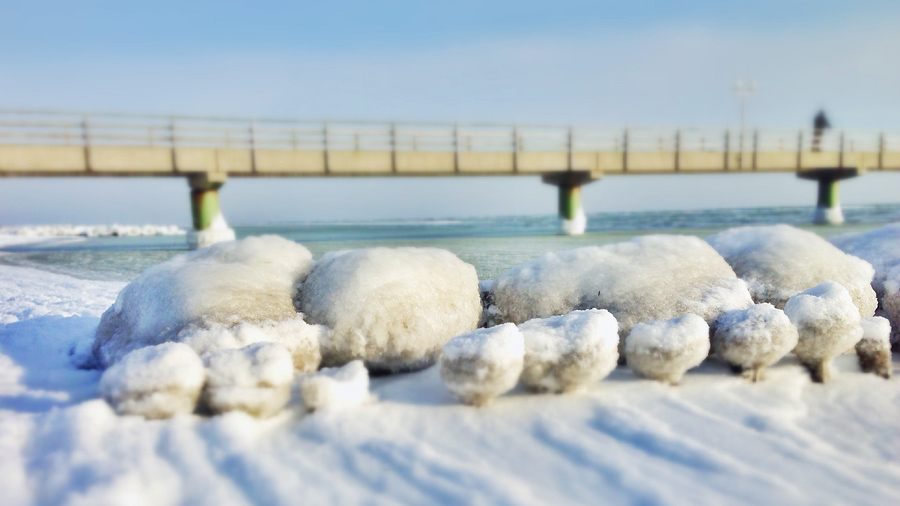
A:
[(828, 208), (572, 220), (210, 226)]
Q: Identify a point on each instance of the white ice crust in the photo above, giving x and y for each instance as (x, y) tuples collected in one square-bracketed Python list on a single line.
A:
[(644, 279), (780, 261), (828, 323), (754, 338), (568, 352), (336, 387), (391, 308), (879, 247), (481, 364), (665, 349), (155, 381), (255, 379), (248, 281)]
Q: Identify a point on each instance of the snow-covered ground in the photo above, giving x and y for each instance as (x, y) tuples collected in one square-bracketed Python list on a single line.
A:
[(714, 439), (91, 230)]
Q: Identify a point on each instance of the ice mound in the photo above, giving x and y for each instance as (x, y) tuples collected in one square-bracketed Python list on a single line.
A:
[(828, 323), (874, 349), (565, 353), (664, 350), (648, 278), (300, 338), (780, 261), (336, 387), (754, 338), (391, 308), (155, 381), (879, 247), (249, 281), (482, 364), (255, 379)]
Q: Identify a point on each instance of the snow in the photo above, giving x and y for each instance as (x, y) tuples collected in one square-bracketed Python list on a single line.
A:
[(664, 350), (644, 279), (828, 323), (569, 352), (249, 281), (91, 230), (754, 338), (879, 247), (255, 379), (716, 439), (336, 387), (155, 381), (484, 363), (393, 308), (874, 349), (780, 261)]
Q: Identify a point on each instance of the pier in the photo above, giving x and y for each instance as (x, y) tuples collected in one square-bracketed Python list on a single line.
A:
[(209, 151)]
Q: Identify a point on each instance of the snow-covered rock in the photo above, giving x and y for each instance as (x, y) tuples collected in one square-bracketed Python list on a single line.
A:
[(780, 261), (828, 323), (565, 353), (155, 381), (482, 364), (664, 350), (754, 338), (336, 387), (391, 308), (255, 379), (874, 349), (249, 281), (648, 278), (879, 247)]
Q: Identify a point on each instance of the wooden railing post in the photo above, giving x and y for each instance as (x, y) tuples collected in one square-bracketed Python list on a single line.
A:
[(677, 150), (393, 147), (515, 147), (325, 156), (86, 140), (456, 148), (252, 145)]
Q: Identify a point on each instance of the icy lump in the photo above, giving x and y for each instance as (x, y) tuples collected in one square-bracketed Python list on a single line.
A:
[(336, 387), (482, 364), (255, 379), (874, 349), (565, 353), (780, 261), (664, 350), (754, 338), (828, 323), (391, 308), (155, 381), (252, 281)]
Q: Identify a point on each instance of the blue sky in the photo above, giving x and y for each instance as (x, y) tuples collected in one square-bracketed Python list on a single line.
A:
[(608, 63)]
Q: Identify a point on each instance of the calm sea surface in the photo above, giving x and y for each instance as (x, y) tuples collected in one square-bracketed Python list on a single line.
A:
[(492, 245)]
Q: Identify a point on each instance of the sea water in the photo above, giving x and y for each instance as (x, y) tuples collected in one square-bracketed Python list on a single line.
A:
[(491, 244)]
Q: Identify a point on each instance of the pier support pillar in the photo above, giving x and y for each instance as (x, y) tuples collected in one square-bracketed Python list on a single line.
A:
[(828, 208), (210, 226), (572, 220)]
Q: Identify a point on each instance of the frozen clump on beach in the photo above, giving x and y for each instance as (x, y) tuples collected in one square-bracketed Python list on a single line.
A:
[(828, 323), (336, 386), (874, 349), (482, 364), (664, 350), (879, 247), (565, 353), (249, 281), (780, 261), (391, 308), (648, 278), (155, 381), (754, 338), (255, 379)]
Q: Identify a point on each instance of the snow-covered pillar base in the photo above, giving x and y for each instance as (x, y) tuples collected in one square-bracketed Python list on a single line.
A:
[(210, 226), (572, 220), (828, 208)]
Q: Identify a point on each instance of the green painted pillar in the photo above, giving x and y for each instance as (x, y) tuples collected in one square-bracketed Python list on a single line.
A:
[(572, 220), (210, 226), (204, 206), (828, 193), (569, 201), (828, 207)]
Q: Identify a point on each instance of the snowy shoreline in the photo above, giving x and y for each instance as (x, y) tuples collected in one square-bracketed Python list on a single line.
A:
[(113, 230)]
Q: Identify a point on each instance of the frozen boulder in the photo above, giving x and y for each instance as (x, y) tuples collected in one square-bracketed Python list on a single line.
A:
[(664, 350), (482, 364), (874, 349), (565, 353), (828, 323), (754, 338), (879, 247), (255, 379), (336, 387), (780, 261), (391, 308), (249, 281), (648, 278), (155, 381)]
